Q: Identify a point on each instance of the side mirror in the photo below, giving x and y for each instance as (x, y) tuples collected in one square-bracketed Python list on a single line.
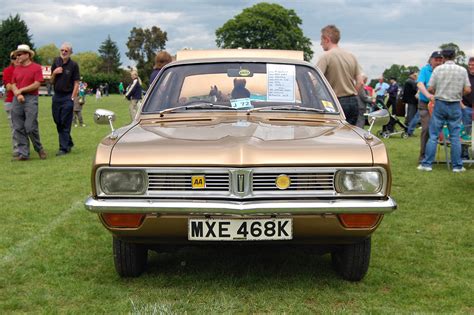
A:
[(378, 118), (104, 117)]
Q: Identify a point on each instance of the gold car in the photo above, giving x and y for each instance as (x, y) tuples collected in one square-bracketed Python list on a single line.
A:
[(240, 146)]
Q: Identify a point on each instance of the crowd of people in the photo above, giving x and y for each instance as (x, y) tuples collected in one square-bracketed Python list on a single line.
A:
[(22, 80), (440, 94)]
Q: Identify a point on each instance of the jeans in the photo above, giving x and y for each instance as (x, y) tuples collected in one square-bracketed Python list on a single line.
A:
[(449, 113), (62, 109), (467, 119), (413, 122), (412, 109), (350, 105)]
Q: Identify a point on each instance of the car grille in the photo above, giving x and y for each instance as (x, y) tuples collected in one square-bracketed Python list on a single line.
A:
[(257, 183), (182, 182), (299, 181)]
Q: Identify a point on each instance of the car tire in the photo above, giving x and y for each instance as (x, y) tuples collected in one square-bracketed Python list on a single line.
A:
[(129, 258), (351, 261)]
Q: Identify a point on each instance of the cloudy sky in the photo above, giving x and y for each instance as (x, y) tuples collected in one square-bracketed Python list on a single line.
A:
[(380, 33)]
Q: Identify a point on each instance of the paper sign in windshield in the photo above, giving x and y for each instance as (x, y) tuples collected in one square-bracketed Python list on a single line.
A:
[(240, 103), (329, 106), (280, 83)]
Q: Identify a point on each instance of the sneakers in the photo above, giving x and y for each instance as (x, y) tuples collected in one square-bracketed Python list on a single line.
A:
[(459, 170), (75, 125), (42, 154), (425, 168), (83, 125)]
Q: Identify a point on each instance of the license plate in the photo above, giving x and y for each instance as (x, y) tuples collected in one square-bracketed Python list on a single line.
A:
[(240, 229)]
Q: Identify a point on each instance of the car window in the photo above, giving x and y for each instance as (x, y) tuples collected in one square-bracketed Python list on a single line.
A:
[(241, 86)]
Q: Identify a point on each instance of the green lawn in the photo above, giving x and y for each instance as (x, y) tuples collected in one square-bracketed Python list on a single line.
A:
[(56, 257)]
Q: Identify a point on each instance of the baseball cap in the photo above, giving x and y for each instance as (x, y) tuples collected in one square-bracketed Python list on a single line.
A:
[(436, 54), (448, 52)]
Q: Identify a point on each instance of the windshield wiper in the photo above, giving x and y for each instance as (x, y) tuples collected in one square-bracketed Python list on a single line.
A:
[(286, 107), (203, 105)]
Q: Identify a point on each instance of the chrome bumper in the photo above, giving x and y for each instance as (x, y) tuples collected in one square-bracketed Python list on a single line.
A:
[(266, 207)]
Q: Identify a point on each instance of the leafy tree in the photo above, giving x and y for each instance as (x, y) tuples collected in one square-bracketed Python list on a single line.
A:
[(88, 61), (110, 55), (13, 32), (267, 26), (47, 53), (460, 55), (400, 72), (142, 46)]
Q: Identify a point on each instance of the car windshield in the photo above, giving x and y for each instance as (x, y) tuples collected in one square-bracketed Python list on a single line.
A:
[(243, 86)]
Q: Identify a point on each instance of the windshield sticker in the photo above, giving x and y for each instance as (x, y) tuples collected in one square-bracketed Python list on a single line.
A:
[(244, 73), (240, 103), (328, 106), (280, 83)]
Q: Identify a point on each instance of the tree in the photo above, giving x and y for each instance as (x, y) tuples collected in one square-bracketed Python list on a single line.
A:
[(460, 55), (110, 55), (13, 32), (88, 61), (267, 26), (142, 46), (47, 53), (400, 72)]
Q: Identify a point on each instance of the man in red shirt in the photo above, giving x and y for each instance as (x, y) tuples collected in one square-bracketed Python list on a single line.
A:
[(7, 79), (26, 80)]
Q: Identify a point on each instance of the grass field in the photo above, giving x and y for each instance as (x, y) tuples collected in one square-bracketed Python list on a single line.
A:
[(55, 257)]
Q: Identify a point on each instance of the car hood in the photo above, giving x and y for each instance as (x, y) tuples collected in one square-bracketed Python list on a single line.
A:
[(241, 142)]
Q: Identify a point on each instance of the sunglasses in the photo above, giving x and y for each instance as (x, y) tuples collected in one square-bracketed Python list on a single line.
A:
[(64, 50)]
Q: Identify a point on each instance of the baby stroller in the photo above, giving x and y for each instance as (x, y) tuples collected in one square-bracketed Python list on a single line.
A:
[(390, 129)]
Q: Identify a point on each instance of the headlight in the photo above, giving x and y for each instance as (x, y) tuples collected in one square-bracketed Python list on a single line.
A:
[(123, 182), (359, 181)]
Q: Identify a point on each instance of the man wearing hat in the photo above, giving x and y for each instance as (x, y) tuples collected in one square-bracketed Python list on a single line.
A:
[(65, 76), (26, 80), (7, 79), (449, 83), (425, 97)]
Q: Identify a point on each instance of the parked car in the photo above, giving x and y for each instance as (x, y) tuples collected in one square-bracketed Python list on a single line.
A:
[(240, 146)]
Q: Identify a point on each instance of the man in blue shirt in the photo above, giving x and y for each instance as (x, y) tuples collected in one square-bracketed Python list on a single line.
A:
[(425, 97), (380, 90)]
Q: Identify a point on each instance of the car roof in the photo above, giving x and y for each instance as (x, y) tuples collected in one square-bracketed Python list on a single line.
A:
[(240, 55)]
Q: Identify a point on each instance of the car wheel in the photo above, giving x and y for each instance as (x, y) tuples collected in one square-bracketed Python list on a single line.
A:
[(129, 258), (352, 261)]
